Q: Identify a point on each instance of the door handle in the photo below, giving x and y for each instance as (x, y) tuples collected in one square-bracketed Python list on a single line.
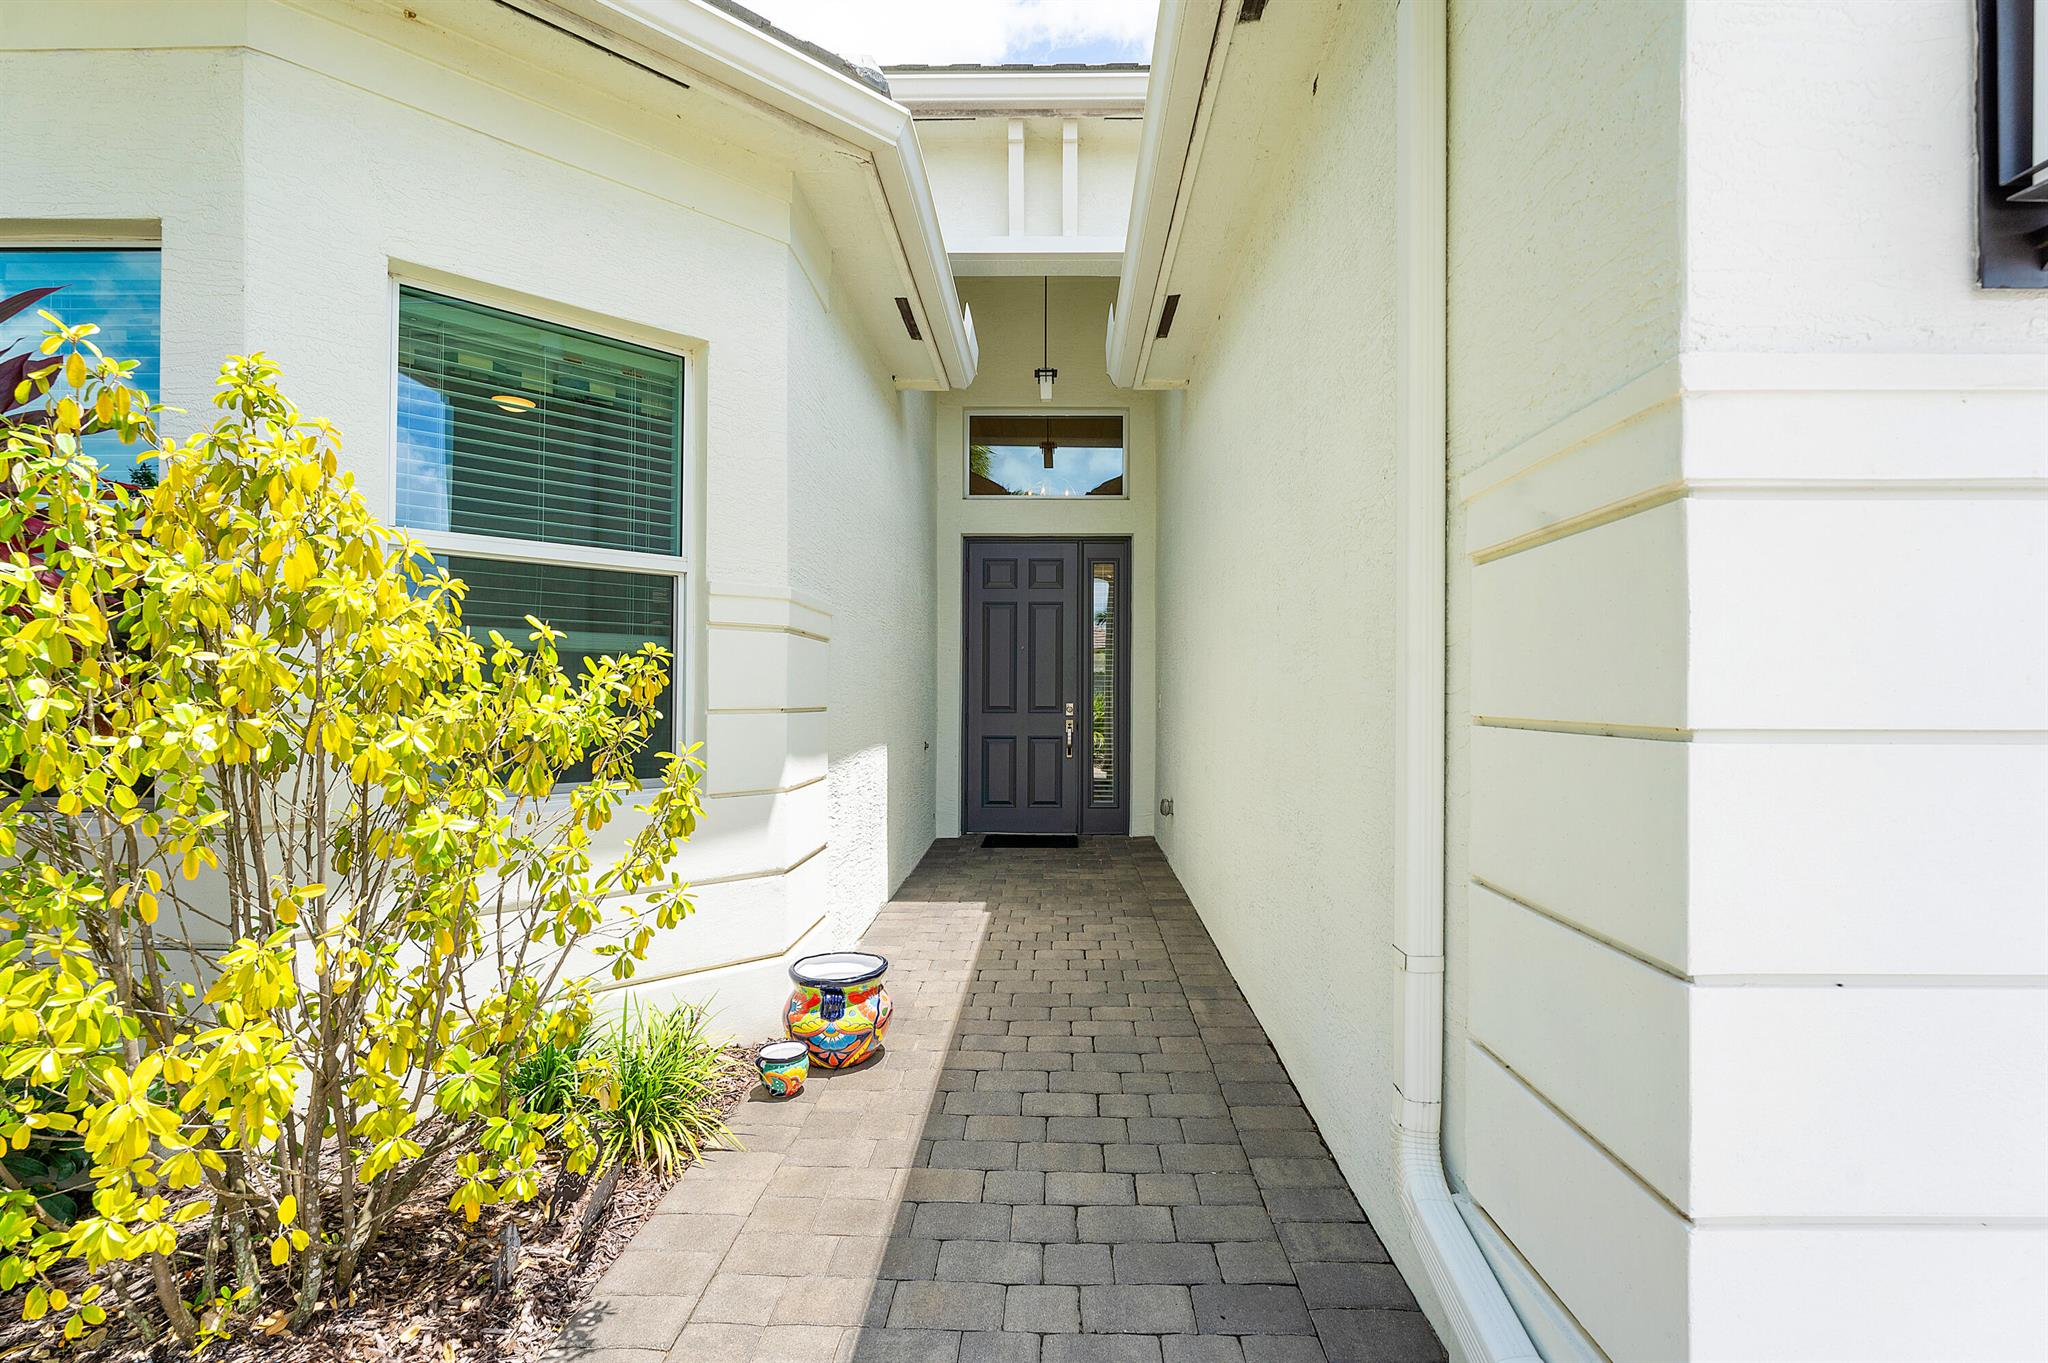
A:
[(1070, 728)]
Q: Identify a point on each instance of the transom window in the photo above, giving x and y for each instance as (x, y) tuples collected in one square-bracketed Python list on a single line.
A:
[(1029, 454), (544, 466)]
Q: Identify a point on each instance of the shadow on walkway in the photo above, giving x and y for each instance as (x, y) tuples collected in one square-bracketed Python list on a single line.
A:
[(1077, 1147)]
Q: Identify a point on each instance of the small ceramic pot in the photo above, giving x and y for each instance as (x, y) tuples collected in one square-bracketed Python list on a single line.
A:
[(784, 1066), (839, 1008)]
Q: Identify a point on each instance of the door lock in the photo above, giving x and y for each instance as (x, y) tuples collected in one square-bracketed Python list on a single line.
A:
[(1070, 728)]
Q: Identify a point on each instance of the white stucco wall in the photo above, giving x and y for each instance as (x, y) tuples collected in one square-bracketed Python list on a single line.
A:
[(298, 166), (1276, 702), (861, 480), (969, 163), (1565, 250), (1007, 316), (968, 160), (1748, 1034)]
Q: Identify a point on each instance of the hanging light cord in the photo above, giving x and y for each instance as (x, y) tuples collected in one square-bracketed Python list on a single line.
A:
[(1045, 320)]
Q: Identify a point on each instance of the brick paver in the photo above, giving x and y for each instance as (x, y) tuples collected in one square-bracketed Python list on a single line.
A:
[(1077, 1147)]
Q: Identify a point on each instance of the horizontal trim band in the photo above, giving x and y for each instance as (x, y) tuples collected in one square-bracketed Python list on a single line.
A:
[(1590, 727), (1586, 520), (1593, 728), (768, 874), (1613, 944), (1765, 979), (737, 590), (1587, 1136), (769, 629), (1749, 489), (1702, 373), (764, 790), (766, 710), (614, 986)]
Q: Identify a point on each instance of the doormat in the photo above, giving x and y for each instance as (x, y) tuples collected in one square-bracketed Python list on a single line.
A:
[(1029, 840)]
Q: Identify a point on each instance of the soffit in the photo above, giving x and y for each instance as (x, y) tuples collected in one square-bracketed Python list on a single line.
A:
[(801, 179), (1253, 107)]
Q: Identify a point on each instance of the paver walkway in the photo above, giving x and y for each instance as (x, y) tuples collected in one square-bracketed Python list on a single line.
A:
[(1078, 1147)]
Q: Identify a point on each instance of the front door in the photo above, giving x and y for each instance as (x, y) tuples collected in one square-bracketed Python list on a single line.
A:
[(1046, 686)]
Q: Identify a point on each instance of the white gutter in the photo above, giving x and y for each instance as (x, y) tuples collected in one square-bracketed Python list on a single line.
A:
[(1481, 1321), (714, 45), (939, 90)]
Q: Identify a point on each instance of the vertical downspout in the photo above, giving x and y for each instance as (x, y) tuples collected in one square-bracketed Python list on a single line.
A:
[(1482, 1324)]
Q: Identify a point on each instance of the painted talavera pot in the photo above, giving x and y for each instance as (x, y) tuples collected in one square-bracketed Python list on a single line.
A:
[(784, 1065), (839, 1008)]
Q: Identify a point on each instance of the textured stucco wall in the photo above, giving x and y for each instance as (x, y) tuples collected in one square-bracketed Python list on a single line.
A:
[(861, 539), (1879, 95), (1564, 263), (969, 163), (1565, 255), (1276, 613), (1747, 685), (184, 171)]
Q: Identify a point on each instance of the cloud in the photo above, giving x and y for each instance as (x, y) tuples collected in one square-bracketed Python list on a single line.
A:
[(888, 32)]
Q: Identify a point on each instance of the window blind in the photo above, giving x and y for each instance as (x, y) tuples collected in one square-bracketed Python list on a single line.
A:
[(521, 429), (603, 613)]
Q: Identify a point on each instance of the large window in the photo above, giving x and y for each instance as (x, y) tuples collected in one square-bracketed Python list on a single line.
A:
[(120, 290), (1018, 454), (544, 466)]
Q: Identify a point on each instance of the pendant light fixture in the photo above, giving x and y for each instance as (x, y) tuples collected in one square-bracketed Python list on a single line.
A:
[(1045, 373), (1048, 445)]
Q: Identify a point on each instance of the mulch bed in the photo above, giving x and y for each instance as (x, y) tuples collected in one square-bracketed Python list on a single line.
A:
[(424, 1293)]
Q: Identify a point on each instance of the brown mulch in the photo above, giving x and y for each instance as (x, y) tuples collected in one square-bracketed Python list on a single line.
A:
[(424, 1293)]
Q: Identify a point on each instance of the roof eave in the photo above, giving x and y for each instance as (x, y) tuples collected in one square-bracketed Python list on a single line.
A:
[(724, 48), (1187, 55)]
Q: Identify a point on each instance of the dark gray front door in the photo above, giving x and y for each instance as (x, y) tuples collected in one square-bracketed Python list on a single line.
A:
[(1046, 634)]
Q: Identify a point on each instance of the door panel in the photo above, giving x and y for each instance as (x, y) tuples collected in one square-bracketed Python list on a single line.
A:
[(999, 773), (1022, 673), (1044, 651)]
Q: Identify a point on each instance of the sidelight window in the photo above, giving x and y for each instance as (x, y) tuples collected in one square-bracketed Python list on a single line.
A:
[(1104, 626)]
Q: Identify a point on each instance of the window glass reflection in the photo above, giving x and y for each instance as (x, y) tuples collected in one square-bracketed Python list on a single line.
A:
[(1045, 456)]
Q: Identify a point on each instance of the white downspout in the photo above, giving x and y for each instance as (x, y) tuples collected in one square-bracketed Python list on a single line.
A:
[(1483, 1326)]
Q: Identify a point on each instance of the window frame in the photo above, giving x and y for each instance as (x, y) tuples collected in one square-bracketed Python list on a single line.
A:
[(681, 567), (967, 415), (118, 236), (2012, 217)]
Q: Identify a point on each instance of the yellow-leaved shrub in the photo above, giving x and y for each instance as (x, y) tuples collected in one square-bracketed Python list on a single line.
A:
[(287, 884)]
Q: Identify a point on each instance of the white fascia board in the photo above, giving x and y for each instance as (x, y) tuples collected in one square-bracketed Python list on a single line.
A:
[(1187, 56), (741, 57), (1095, 92)]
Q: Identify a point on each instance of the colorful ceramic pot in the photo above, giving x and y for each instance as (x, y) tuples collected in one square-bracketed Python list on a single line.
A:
[(839, 1008), (784, 1066)]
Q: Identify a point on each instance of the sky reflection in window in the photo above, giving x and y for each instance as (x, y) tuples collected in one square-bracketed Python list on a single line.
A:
[(1022, 455), (119, 289)]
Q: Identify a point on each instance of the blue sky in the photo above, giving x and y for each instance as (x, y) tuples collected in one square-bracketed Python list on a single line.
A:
[(891, 32)]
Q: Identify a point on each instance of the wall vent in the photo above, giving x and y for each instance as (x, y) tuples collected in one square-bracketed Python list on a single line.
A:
[(909, 320), (1251, 11), (1166, 316)]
